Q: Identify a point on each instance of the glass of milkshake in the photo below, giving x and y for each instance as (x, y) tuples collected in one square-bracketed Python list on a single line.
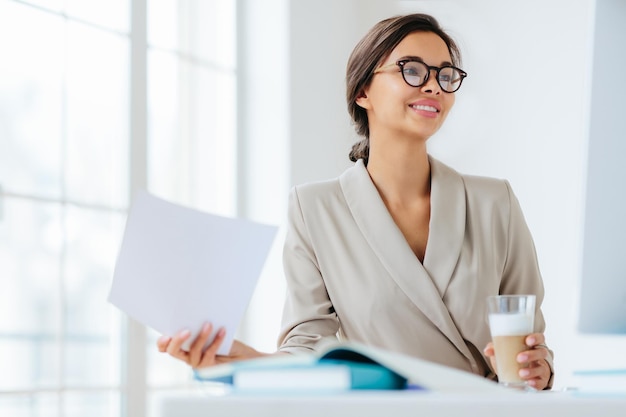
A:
[(511, 319)]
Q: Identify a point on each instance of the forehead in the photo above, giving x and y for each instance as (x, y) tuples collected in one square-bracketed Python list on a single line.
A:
[(426, 45)]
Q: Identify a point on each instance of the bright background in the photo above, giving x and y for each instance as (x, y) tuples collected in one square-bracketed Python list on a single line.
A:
[(223, 105)]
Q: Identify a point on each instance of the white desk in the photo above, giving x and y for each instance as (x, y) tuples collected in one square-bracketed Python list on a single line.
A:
[(396, 404)]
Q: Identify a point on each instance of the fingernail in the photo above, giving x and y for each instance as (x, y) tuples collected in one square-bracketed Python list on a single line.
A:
[(185, 333), (522, 358), (205, 327), (530, 341), (524, 372)]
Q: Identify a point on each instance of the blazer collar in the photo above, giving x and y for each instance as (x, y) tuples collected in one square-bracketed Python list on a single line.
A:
[(424, 284)]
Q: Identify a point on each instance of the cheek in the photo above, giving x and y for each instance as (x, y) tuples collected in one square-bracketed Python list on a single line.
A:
[(450, 101), (386, 91)]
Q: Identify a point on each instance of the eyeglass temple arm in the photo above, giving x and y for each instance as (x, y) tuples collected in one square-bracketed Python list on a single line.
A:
[(384, 67)]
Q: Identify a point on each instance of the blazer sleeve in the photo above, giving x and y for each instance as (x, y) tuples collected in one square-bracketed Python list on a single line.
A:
[(308, 316), (521, 273)]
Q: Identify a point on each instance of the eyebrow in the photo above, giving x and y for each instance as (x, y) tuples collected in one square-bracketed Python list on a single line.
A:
[(417, 58)]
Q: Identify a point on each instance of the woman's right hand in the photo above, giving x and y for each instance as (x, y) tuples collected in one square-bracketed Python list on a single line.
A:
[(197, 357)]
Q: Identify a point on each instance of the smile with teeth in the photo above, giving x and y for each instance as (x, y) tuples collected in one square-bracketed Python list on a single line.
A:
[(425, 108)]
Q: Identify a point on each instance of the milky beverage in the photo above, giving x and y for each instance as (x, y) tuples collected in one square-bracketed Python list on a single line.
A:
[(509, 331)]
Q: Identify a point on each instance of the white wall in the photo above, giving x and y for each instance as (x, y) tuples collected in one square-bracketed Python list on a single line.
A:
[(522, 114), (323, 33)]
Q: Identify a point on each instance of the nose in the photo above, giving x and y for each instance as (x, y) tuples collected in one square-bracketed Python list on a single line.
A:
[(431, 85)]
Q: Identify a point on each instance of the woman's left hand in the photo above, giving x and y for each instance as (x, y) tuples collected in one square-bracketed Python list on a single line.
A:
[(538, 372)]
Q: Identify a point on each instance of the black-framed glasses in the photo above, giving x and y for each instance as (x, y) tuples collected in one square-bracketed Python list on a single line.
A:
[(416, 74)]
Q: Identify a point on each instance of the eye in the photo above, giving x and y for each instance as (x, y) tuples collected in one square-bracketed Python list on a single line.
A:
[(447, 74), (414, 69), (411, 71), (449, 78)]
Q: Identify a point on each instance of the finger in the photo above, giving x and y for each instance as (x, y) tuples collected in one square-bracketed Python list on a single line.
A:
[(175, 346), (537, 374), (532, 355), (209, 355), (535, 339), (546, 374), (217, 342), (195, 351), (162, 343), (533, 370), (489, 349)]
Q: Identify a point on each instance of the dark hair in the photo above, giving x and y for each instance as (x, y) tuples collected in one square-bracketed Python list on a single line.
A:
[(375, 46)]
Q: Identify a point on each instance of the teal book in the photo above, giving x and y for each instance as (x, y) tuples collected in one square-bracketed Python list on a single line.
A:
[(343, 367)]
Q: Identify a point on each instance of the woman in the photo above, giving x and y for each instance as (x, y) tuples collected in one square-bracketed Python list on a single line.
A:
[(401, 251)]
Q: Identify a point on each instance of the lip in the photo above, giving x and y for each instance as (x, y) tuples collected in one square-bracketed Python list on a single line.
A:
[(426, 107)]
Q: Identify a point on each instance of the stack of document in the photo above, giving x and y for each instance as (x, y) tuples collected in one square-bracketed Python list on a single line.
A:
[(298, 373), (342, 367)]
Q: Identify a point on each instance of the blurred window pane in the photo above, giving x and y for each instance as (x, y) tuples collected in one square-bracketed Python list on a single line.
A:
[(215, 42), (51, 5), (30, 100), (29, 405), (30, 304), (163, 23), (91, 324), (192, 137), (111, 14), (91, 404), (213, 141), (97, 117), (168, 143), (204, 30)]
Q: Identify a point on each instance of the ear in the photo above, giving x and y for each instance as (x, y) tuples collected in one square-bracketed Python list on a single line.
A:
[(362, 100)]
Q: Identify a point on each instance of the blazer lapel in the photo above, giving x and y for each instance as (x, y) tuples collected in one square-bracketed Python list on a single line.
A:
[(389, 244), (447, 224)]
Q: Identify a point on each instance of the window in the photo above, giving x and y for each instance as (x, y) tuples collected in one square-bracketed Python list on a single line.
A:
[(69, 165)]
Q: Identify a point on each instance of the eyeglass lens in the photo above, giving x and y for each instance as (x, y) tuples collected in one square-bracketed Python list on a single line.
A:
[(416, 73)]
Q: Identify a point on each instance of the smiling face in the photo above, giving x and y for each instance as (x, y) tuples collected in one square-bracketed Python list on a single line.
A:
[(396, 109)]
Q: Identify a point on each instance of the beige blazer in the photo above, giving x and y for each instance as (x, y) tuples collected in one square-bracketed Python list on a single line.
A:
[(352, 275)]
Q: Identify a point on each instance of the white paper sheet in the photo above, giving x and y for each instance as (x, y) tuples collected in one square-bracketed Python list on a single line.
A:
[(178, 268)]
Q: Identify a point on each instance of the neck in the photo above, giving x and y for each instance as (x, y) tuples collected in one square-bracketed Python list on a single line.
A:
[(401, 172)]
